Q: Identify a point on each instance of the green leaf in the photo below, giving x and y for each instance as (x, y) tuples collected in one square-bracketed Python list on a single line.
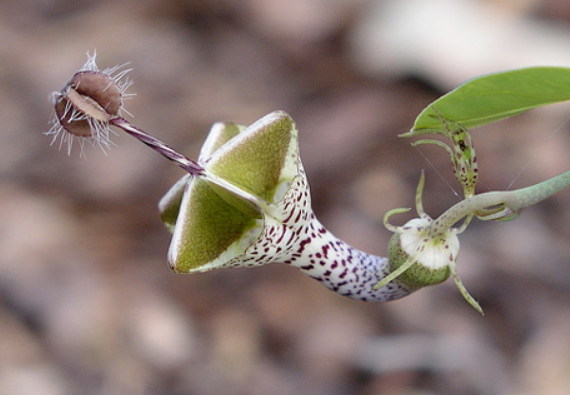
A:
[(493, 97)]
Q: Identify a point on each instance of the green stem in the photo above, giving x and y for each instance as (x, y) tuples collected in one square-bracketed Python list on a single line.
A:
[(500, 204)]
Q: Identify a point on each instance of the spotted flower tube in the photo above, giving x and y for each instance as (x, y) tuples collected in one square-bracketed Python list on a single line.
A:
[(246, 201)]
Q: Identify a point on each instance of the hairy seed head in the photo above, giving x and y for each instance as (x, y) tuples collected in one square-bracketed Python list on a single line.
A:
[(84, 107)]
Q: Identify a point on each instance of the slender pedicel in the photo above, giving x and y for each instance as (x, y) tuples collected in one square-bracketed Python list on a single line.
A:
[(182, 160)]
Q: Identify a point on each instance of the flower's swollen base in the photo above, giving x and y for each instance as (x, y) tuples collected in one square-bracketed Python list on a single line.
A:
[(420, 257), (424, 251)]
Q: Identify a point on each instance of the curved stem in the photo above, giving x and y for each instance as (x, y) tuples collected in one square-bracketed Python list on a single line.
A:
[(500, 204), (536, 193)]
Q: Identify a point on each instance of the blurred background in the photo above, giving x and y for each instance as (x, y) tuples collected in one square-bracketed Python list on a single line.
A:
[(87, 302)]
